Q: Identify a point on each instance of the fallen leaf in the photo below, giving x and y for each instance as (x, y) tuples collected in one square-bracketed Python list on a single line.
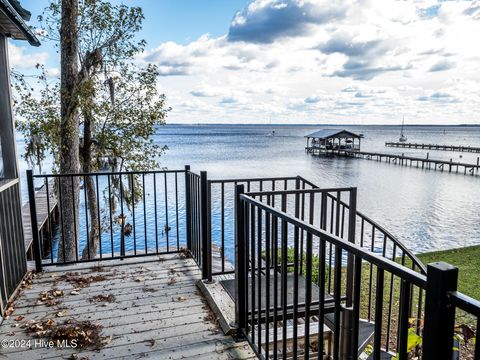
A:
[(9, 311), (181, 298), (19, 318)]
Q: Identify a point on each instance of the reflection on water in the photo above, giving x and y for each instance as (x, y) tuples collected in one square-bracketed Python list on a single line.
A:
[(426, 210)]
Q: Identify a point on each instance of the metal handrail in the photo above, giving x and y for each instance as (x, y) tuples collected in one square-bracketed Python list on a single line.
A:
[(138, 172), (298, 191), (219, 181), (417, 262), (401, 271), (465, 303)]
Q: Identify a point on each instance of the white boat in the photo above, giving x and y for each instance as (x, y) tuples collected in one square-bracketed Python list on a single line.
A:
[(402, 138)]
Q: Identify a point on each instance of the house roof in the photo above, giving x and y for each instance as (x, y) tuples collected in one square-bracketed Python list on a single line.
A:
[(12, 22), (330, 133)]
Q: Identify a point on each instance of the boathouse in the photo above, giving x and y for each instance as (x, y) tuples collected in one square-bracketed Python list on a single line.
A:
[(330, 140), (13, 264)]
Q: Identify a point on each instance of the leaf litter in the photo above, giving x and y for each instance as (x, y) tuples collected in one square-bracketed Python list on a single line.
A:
[(86, 334)]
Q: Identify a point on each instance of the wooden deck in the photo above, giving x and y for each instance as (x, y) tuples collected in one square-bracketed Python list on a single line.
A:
[(156, 311), (43, 211)]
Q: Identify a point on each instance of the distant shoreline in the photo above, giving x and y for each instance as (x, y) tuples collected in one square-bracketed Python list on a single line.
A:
[(339, 125)]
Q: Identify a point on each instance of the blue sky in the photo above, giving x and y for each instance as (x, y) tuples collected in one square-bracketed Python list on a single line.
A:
[(176, 20), (306, 61), (165, 20)]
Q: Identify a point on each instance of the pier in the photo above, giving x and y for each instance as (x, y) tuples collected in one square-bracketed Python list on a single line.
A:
[(412, 161), (460, 148), (46, 205)]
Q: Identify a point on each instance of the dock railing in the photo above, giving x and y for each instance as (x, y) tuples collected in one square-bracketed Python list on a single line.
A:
[(333, 269), (221, 199), (149, 209), (285, 305), (136, 213), (12, 255)]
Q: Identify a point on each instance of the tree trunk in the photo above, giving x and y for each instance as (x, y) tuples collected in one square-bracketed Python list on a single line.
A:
[(90, 249), (69, 128)]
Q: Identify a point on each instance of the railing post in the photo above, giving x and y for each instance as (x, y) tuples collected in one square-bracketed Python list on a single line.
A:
[(241, 275), (352, 220), (204, 218), (187, 208), (439, 314), (37, 251), (346, 334)]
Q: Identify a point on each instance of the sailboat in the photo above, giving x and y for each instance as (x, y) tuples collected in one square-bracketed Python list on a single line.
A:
[(402, 138)]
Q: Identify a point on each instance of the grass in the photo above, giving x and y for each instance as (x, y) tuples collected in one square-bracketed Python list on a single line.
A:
[(467, 260), (290, 259)]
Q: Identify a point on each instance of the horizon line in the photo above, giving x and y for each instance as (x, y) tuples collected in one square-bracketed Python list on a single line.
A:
[(324, 124)]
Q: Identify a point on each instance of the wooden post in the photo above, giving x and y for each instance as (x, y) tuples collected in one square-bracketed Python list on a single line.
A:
[(7, 128)]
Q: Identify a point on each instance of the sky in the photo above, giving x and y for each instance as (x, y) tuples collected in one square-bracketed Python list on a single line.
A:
[(305, 61)]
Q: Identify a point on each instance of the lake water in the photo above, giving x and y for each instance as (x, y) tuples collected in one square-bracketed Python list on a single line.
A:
[(426, 210)]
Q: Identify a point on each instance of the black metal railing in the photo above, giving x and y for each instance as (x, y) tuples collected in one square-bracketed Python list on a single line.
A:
[(369, 234), (13, 265), (310, 270), (441, 305), (197, 221), (302, 287), (119, 214), (221, 198)]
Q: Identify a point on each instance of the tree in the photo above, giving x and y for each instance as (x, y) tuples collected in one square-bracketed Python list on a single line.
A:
[(69, 126), (119, 106)]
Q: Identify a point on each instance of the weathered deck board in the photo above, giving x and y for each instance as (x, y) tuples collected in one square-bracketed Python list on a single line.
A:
[(42, 213), (168, 320)]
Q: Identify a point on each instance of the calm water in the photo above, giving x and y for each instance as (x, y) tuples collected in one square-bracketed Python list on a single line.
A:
[(427, 210)]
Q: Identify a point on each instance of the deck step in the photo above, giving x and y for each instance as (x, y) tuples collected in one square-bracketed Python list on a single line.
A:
[(383, 356), (327, 336), (300, 333), (366, 330)]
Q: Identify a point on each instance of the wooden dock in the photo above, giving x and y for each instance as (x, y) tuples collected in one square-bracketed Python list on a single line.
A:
[(149, 309), (459, 148), (43, 212), (424, 163)]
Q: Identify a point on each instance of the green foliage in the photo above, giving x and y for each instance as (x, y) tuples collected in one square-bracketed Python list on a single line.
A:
[(116, 100), (291, 257), (119, 100), (467, 259), (41, 114), (413, 340)]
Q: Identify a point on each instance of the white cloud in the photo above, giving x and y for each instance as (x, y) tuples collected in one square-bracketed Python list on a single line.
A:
[(301, 60), (20, 59)]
